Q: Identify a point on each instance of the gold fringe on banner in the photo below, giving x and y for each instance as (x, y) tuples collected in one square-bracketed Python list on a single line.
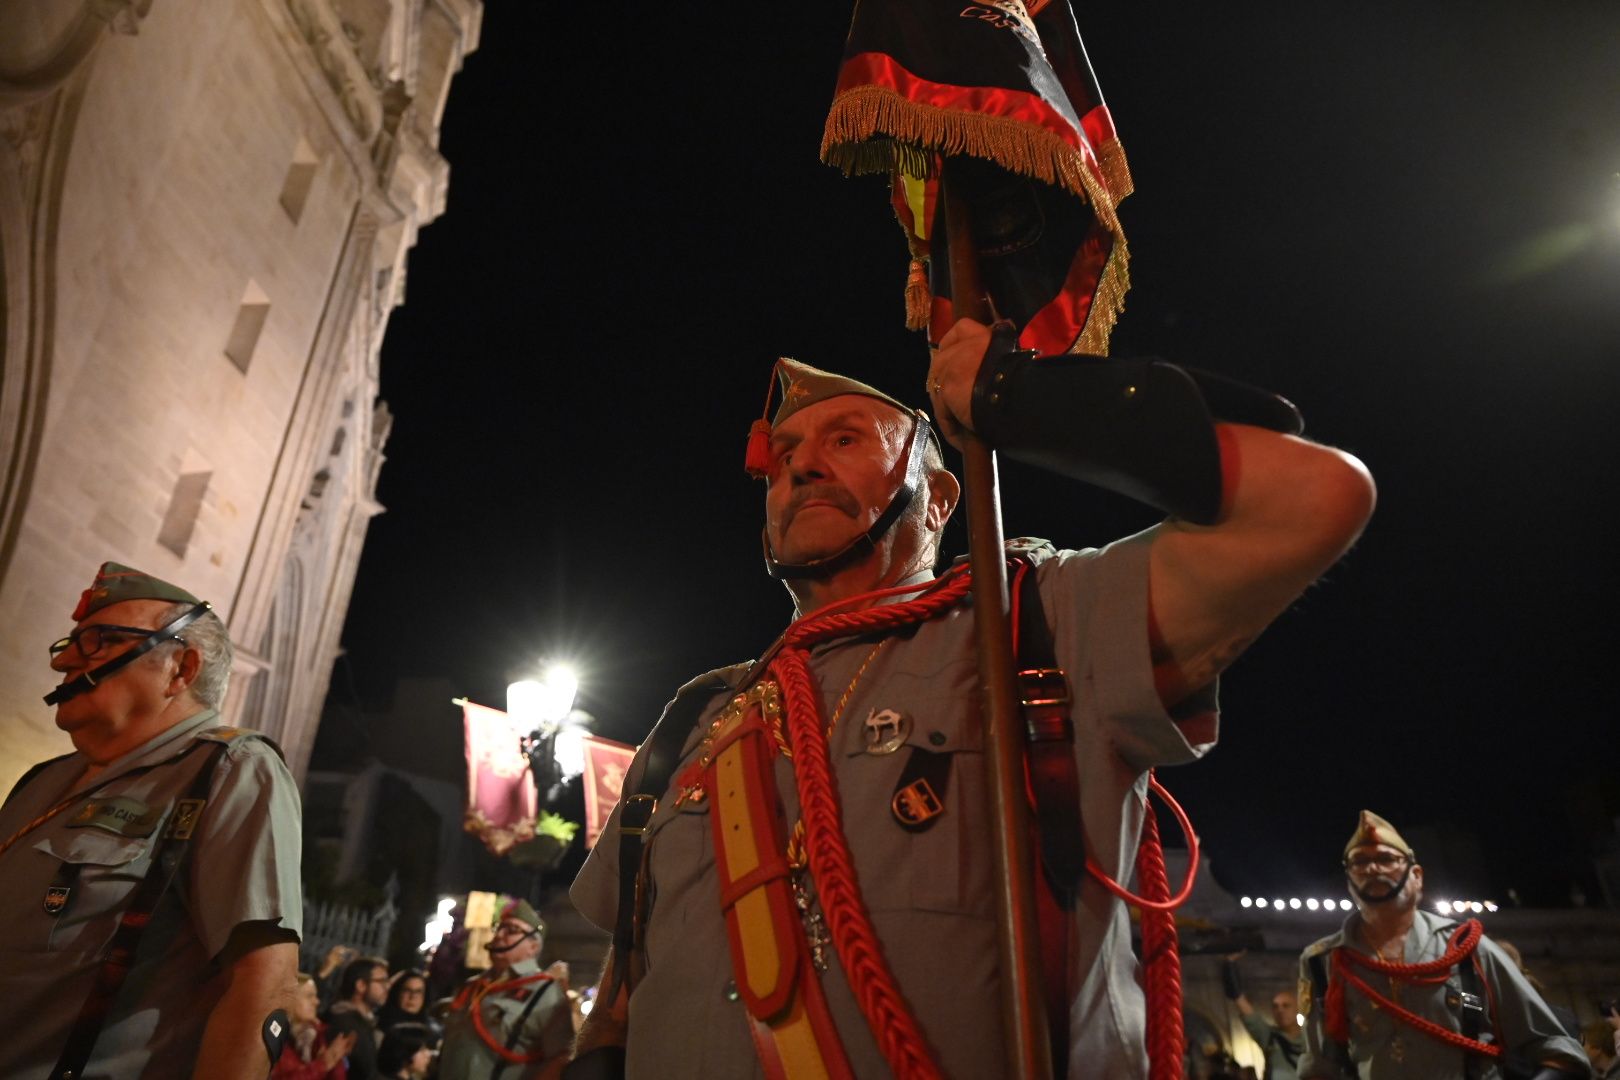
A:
[(1116, 173), (1107, 302), (873, 129), (919, 297)]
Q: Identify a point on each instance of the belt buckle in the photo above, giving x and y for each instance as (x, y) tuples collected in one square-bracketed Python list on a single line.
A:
[(637, 812), (1043, 686)]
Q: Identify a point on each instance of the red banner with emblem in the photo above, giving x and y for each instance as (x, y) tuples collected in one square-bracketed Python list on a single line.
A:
[(606, 762), (501, 801), (1000, 94)]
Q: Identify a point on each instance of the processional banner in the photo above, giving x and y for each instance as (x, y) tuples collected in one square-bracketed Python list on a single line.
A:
[(502, 804), (606, 762)]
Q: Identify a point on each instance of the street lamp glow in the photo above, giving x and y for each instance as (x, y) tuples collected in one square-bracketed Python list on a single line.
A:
[(534, 704), (434, 929), (1344, 905), (1311, 903), (1443, 906), (1260, 902), (1293, 902), (1246, 902)]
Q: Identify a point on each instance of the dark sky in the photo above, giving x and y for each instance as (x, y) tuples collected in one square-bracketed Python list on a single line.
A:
[(1406, 220)]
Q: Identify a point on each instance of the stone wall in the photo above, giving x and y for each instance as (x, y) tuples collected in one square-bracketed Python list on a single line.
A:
[(205, 210)]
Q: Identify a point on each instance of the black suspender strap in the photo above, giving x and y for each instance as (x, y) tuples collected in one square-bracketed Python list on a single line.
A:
[(517, 1028), (663, 756), (119, 958), (1338, 1051), (1471, 1012)]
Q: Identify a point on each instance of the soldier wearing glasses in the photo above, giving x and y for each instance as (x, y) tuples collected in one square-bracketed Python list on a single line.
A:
[(513, 1022), (150, 918), (1401, 992)]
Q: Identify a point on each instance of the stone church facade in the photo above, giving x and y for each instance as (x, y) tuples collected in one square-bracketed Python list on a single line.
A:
[(206, 208)]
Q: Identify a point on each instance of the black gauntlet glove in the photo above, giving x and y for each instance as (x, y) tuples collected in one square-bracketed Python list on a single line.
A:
[(1143, 428)]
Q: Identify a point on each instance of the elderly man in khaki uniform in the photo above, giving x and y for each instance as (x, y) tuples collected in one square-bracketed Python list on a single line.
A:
[(854, 933), (151, 910), (514, 1020), (1399, 992)]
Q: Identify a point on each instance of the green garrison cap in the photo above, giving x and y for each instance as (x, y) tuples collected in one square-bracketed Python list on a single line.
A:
[(803, 386), (116, 583), (1372, 829), (523, 911)]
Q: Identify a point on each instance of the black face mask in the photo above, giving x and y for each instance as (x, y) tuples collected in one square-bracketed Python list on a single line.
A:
[(501, 950), (87, 681), (1361, 892)]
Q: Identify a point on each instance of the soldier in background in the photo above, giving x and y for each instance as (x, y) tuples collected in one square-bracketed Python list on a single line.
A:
[(1281, 1038), (513, 1021), (1401, 992), (164, 829)]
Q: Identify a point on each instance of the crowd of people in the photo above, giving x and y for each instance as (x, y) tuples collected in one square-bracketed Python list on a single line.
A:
[(355, 1019)]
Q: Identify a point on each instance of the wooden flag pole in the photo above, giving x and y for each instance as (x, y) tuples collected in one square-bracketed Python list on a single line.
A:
[(1023, 1007)]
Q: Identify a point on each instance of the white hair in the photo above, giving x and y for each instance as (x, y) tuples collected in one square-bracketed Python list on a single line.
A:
[(210, 638)]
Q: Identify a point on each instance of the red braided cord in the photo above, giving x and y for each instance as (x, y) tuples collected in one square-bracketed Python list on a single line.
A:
[(1460, 948), (1166, 1036), (887, 1014)]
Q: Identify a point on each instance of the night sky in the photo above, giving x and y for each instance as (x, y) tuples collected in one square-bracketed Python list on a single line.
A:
[(1407, 221)]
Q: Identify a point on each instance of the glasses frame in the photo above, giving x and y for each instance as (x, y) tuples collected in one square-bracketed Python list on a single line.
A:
[(1395, 859), (75, 639)]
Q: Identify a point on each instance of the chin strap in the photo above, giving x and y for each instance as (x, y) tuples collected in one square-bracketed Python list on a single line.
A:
[(863, 544), (87, 681)]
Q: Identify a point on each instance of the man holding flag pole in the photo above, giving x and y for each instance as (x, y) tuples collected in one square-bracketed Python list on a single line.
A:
[(821, 865)]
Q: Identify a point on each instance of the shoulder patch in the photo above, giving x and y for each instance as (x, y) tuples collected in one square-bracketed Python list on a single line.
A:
[(228, 735), (1304, 996)]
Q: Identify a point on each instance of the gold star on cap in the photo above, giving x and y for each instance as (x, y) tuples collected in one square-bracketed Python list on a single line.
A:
[(802, 386)]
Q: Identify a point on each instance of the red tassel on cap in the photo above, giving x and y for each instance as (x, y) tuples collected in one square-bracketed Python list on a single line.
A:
[(757, 461)]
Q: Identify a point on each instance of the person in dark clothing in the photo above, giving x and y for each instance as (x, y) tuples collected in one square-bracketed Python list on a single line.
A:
[(364, 989)]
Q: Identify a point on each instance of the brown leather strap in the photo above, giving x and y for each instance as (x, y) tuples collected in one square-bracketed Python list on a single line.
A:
[(1054, 782)]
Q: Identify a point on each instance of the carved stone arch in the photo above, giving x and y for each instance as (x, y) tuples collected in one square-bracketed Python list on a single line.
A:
[(35, 142), (49, 43), (280, 649)]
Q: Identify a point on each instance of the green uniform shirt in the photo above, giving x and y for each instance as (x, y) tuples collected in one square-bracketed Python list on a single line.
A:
[(1383, 1048), (1282, 1051), (242, 866), (930, 892), (539, 1013)]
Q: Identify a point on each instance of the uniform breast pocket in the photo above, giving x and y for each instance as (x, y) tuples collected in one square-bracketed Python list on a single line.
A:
[(93, 875), (914, 802)]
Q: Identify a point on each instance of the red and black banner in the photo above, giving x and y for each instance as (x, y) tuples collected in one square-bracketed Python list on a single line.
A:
[(1005, 92)]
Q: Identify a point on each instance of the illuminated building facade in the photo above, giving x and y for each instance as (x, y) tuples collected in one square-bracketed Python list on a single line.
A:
[(205, 214)]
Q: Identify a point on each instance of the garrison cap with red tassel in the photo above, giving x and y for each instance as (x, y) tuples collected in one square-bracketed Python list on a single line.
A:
[(1372, 830), (802, 386), (116, 583), (523, 911)]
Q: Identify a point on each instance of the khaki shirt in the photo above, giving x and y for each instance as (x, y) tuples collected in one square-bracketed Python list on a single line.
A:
[(242, 866), (548, 1029), (1383, 1048), (930, 893)]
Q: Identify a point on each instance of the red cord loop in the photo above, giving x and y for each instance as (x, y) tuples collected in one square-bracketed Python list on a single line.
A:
[(1459, 949)]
